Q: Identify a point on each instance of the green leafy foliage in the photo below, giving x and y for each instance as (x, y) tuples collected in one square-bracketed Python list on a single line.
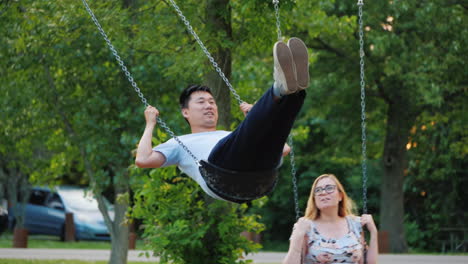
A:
[(435, 184), (410, 65), (183, 226)]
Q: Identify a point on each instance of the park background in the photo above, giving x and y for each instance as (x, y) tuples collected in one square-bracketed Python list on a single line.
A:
[(69, 115)]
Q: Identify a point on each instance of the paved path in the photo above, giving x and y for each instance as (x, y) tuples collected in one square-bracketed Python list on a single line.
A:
[(263, 257)]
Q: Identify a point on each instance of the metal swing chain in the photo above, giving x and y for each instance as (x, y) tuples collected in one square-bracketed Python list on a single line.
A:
[(205, 50), (363, 115), (290, 138), (294, 179), (133, 83), (277, 15), (363, 109)]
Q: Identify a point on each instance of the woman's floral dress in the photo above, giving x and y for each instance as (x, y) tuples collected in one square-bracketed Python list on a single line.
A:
[(347, 249)]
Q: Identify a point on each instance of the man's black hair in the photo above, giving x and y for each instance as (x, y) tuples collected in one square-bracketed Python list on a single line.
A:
[(185, 95)]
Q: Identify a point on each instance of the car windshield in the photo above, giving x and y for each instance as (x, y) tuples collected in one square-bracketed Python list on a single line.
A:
[(80, 200)]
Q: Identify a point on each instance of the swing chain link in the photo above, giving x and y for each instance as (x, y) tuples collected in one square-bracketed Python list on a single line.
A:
[(277, 15), (294, 179), (363, 108), (133, 83), (205, 50), (363, 115), (290, 138)]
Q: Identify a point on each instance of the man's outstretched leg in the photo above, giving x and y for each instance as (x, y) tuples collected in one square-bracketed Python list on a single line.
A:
[(258, 142)]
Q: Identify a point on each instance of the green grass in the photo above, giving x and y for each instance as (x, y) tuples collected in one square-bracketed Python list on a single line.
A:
[(40, 241)]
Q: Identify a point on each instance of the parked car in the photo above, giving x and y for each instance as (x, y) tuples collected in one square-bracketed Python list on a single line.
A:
[(45, 213)]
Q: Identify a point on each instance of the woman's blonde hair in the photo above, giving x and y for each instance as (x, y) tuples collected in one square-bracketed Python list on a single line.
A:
[(345, 207)]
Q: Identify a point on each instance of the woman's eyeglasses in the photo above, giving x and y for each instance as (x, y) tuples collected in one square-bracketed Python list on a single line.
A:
[(326, 188)]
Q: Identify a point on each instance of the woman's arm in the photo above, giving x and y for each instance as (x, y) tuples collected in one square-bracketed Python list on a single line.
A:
[(297, 242), (373, 249)]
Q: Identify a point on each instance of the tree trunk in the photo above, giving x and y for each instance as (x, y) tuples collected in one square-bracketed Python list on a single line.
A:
[(12, 192), (20, 238), (3, 181), (399, 122), (117, 227), (18, 188), (218, 18), (120, 233)]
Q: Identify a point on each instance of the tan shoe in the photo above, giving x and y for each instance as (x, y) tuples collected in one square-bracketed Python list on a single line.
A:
[(284, 69), (301, 61)]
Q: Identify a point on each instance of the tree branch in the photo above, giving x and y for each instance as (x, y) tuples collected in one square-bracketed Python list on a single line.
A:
[(67, 123), (324, 46), (146, 9)]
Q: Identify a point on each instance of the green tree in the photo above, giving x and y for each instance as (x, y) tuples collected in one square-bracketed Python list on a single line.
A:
[(23, 127), (435, 177), (418, 67), (80, 108), (70, 70), (411, 66)]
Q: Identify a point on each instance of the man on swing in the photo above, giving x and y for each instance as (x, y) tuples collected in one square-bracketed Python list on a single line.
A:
[(257, 144)]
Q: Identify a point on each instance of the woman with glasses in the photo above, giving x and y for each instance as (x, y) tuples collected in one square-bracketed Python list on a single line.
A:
[(329, 232)]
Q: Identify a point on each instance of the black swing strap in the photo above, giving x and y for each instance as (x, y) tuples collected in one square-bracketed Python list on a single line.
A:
[(238, 186)]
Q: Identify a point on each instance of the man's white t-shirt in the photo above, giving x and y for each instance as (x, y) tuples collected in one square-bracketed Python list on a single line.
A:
[(200, 144)]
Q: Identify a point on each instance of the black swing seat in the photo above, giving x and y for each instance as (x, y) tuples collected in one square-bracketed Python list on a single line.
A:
[(238, 186)]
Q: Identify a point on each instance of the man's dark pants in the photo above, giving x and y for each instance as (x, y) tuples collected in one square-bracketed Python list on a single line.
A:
[(257, 143)]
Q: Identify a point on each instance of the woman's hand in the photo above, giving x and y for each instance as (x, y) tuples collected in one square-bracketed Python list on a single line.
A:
[(301, 226), (298, 236), (368, 222)]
